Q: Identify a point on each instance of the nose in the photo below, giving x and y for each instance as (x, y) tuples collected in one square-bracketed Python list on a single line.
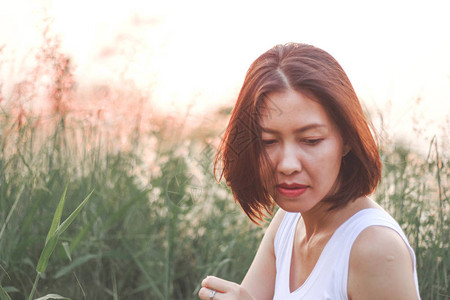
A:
[(289, 162)]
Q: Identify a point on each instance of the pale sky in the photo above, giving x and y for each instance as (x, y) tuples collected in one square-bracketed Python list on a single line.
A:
[(198, 51)]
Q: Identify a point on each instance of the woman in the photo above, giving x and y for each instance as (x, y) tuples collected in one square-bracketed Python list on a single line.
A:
[(298, 137)]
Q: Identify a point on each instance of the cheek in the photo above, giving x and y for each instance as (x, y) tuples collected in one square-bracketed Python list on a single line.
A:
[(271, 153), (327, 163), (269, 157)]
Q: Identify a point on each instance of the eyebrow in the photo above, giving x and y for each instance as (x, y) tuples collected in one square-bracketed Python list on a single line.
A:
[(299, 130)]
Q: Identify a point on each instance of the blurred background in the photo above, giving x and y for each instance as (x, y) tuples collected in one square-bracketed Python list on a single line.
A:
[(130, 98), (193, 55)]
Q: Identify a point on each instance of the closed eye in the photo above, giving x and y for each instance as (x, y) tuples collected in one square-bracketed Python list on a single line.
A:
[(312, 142), (268, 142)]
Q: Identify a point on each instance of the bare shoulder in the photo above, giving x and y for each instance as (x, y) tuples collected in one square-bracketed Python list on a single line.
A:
[(380, 266), (274, 225), (379, 242), (260, 278), (276, 220)]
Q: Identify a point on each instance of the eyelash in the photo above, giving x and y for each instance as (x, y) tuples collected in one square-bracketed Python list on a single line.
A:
[(309, 142), (312, 141), (268, 142)]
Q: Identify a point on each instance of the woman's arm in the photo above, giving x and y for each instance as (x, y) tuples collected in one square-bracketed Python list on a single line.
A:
[(260, 279), (380, 267)]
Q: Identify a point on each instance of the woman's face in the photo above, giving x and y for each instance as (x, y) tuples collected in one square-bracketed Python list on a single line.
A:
[(305, 149)]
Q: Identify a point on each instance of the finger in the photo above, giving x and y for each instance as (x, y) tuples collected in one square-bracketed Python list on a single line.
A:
[(218, 284), (205, 294)]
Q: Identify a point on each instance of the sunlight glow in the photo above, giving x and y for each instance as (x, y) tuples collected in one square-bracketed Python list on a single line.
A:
[(195, 53)]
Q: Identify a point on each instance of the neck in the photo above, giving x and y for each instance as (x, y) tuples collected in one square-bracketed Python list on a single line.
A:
[(320, 219)]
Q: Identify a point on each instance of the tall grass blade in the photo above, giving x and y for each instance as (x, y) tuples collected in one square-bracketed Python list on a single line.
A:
[(33, 290), (3, 294), (52, 239), (53, 236), (76, 263), (67, 250), (46, 253), (80, 286), (83, 232), (57, 215), (52, 296), (61, 228), (13, 207)]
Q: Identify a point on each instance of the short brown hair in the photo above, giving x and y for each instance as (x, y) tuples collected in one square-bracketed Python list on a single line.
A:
[(310, 70)]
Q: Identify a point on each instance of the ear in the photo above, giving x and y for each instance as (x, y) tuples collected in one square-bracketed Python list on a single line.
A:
[(345, 150)]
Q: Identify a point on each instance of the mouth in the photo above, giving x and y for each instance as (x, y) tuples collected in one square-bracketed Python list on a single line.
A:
[(291, 190)]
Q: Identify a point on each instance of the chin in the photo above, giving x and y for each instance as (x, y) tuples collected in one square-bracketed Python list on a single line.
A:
[(294, 206)]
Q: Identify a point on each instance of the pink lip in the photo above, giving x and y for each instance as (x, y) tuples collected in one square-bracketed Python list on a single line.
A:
[(291, 190)]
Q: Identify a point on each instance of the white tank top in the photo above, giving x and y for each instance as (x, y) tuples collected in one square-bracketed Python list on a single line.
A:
[(328, 279)]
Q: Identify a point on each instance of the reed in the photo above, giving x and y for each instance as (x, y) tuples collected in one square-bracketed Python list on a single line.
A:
[(154, 233)]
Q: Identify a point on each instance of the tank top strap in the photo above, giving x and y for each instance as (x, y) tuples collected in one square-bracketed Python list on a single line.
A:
[(286, 232), (283, 243)]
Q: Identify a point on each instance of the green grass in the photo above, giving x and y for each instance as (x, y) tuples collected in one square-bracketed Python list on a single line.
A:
[(415, 191), (154, 233), (145, 234)]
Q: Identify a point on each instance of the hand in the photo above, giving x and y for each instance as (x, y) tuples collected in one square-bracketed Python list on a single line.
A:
[(225, 290)]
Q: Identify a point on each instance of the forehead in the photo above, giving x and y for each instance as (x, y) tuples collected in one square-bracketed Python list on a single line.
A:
[(291, 108)]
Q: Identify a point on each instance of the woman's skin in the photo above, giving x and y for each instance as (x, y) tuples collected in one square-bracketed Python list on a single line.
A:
[(306, 148)]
